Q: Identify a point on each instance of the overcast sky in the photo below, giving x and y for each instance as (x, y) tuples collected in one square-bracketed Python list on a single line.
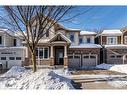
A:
[(100, 17)]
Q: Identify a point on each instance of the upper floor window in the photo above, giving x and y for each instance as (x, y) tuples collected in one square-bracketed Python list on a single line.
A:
[(80, 40), (0, 39), (72, 37), (14, 42), (125, 39), (111, 40), (47, 34), (88, 40)]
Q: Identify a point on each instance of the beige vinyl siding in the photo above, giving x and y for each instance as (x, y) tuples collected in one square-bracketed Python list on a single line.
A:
[(8, 40), (76, 38), (91, 39)]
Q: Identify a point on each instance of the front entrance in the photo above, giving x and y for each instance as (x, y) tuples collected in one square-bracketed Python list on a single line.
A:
[(59, 55)]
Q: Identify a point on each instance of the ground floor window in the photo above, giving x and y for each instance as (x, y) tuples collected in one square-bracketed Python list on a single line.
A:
[(3, 58), (42, 53), (11, 58), (115, 56), (18, 58)]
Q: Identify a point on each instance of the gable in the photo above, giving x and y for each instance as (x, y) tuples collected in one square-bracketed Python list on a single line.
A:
[(60, 37)]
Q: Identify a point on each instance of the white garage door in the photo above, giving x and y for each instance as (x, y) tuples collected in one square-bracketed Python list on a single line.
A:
[(14, 61), (74, 60), (89, 60)]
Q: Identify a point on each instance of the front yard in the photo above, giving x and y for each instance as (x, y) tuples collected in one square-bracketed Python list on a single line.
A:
[(21, 78), (97, 72), (113, 77)]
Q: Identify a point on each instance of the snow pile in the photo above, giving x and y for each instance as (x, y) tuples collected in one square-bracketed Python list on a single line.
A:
[(119, 68), (14, 71), (20, 78), (54, 81), (104, 66)]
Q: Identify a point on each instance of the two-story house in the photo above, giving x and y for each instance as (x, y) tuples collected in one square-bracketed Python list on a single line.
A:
[(114, 46), (67, 47), (11, 50)]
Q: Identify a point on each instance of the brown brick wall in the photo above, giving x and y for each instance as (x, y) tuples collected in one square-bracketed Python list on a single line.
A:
[(84, 50), (119, 39), (104, 39), (125, 34), (116, 61)]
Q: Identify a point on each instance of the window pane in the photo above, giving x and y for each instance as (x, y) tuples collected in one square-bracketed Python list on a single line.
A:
[(3, 58), (86, 56), (14, 42), (76, 56), (41, 52), (72, 37), (11, 58), (112, 56), (119, 56), (0, 39), (92, 56), (88, 40), (70, 56), (112, 40), (80, 40), (18, 58), (47, 34), (45, 52)]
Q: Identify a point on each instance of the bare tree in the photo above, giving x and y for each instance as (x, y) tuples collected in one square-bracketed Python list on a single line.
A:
[(36, 21)]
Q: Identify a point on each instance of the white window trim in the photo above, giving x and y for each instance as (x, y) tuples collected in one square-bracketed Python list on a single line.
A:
[(82, 40), (125, 39), (70, 36), (38, 58), (1, 40), (113, 42), (115, 56), (90, 39)]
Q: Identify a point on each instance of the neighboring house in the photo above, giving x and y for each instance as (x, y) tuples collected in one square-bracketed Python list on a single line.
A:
[(114, 44), (67, 47), (11, 50)]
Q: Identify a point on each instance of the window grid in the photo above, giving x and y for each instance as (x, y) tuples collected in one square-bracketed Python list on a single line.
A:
[(111, 40), (42, 53)]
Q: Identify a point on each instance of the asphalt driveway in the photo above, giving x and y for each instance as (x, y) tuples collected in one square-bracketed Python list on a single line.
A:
[(96, 72), (97, 79)]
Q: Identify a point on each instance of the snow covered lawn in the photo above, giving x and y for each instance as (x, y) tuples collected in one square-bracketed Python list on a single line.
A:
[(21, 78), (119, 68)]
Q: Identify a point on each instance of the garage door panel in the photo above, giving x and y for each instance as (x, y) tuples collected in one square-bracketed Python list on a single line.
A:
[(89, 60), (14, 63), (74, 61)]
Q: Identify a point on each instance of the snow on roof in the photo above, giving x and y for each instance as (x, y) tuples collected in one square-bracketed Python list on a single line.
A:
[(43, 40), (116, 46), (111, 32), (67, 28), (86, 46), (7, 31), (87, 33), (19, 47)]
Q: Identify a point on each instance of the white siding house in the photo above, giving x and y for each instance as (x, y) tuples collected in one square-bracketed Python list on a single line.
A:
[(11, 50)]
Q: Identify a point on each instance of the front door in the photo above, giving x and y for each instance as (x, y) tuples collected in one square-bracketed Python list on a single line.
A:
[(59, 55)]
